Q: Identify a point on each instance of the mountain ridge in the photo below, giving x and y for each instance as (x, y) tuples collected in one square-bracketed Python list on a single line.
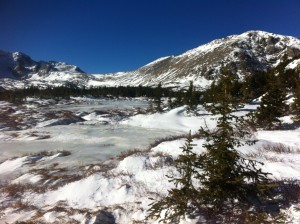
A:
[(244, 54), (240, 53), (20, 66)]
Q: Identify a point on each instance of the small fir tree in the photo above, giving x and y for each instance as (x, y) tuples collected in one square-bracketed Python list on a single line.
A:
[(220, 180), (170, 102), (158, 98), (296, 104), (228, 180), (272, 105), (178, 99), (253, 86), (177, 203), (190, 98)]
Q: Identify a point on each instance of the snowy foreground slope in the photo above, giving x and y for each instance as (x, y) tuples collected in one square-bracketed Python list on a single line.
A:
[(118, 190)]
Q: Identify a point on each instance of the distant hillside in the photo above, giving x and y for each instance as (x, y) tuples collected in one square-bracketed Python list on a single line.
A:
[(18, 70), (247, 54)]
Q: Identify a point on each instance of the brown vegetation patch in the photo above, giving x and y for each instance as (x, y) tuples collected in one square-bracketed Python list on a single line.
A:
[(8, 120), (166, 139), (23, 205), (280, 149), (97, 168), (127, 153), (17, 190), (57, 177), (39, 136)]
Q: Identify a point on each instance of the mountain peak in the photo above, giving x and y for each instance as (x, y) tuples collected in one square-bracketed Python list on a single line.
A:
[(248, 53), (20, 66), (245, 54)]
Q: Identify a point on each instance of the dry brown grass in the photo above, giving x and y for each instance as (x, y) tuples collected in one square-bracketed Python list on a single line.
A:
[(159, 154), (8, 120), (163, 160), (17, 190), (29, 222), (166, 139), (23, 205), (14, 134), (127, 153), (39, 136), (68, 115), (97, 168), (279, 148), (269, 151), (50, 115)]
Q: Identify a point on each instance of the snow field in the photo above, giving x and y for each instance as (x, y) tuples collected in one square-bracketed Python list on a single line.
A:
[(125, 189)]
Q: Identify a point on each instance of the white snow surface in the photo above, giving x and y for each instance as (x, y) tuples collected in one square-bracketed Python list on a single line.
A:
[(11, 165), (175, 119), (294, 64), (125, 189)]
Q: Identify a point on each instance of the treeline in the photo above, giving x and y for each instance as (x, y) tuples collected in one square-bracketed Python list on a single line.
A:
[(20, 95), (67, 91), (274, 87), (252, 86)]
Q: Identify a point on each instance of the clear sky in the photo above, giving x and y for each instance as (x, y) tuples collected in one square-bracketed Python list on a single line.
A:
[(102, 36)]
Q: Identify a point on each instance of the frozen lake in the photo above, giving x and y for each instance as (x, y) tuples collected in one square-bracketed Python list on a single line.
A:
[(88, 143), (88, 105)]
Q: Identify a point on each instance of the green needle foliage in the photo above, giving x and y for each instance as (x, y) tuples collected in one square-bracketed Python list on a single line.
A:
[(272, 105), (158, 94), (177, 203), (191, 98), (296, 104), (219, 181), (228, 181)]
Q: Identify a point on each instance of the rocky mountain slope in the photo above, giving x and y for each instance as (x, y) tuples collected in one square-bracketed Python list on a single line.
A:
[(244, 54), (20, 66), (248, 53), (19, 70)]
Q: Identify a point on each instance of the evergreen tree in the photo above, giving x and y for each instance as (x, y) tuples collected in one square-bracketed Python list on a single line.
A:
[(296, 104), (158, 93), (227, 78), (228, 181), (176, 204), (253, 86), (178, 99), (220, 180), (190, 98), (272, 105), (170, 102), (288, 78)]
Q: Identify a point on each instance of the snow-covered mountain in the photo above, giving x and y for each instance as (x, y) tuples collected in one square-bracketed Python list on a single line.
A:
[(19, 70), (248, 53), (244, 54)]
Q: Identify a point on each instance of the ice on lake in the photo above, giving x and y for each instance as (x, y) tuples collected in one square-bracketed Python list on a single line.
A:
[(87, 143)]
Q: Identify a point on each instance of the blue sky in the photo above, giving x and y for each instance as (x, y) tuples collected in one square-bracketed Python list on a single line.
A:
[(102, 36)]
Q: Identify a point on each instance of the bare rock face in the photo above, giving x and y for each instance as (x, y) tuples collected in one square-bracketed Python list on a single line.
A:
[(105, 217), (293, 52)]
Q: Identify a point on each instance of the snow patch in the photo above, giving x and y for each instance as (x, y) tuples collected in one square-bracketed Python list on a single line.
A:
[(11, 165), (294, 64)]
